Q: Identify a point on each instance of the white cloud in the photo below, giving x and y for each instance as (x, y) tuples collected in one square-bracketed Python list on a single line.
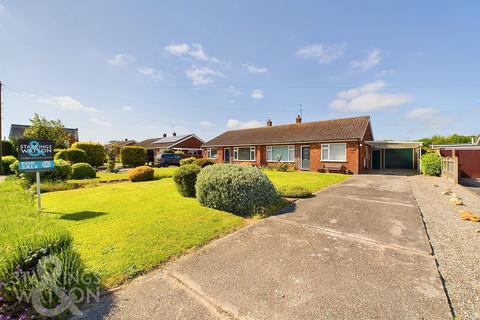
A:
[(67, 103), (254, 69), (233, 124), (234, 91), (101, 122), (368, 98), (127, 108), (428, 117), (373, 58), (257, 94), (206, 124), (150, 72), (202, 75), (324, 53), (195, 51), (120, 59)]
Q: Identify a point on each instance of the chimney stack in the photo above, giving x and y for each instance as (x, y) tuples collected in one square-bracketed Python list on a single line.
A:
[(174, 134), (298, 119), (269, 123), (164, 135)]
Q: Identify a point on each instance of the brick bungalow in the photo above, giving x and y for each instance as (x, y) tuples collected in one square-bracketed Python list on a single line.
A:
[(332, 145), (188, 144)]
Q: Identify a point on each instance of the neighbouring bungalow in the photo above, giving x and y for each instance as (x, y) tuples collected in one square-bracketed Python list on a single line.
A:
[(468, 155), (343, 145), (17, 130), (121, 143), (188, 144)]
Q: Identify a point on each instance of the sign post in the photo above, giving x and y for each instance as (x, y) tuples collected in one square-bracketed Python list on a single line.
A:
[(35, 156)]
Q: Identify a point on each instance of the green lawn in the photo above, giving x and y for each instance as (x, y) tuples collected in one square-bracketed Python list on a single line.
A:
[(312, 181), (123, 229), (108, 177)]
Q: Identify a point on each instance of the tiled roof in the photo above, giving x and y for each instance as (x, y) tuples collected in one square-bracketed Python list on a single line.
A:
[(147, 144), (167, 141), (328, 130)]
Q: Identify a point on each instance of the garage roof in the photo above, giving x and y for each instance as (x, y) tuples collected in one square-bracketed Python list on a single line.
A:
[(385, 144)]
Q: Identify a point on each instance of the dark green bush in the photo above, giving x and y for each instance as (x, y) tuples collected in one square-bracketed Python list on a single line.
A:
[(242, 190), (185, 178), (83, 171), (132, 156), (187, 161), (142, 173), (202, 163), (7, 161), (72, 155), (431, 164), (95, 152), (8, 148), (293, 191)]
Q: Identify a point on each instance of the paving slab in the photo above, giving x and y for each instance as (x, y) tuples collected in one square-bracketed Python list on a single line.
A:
[(279, 270)]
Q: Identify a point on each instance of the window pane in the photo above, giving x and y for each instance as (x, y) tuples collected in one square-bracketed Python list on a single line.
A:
[(213, 153), (252, 153), (269, 153), (280, 153), (243, 153), (291, 154), (337, 152), (325, 152)]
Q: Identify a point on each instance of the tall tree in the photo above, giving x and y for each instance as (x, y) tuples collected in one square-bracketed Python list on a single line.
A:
[(41, 128)]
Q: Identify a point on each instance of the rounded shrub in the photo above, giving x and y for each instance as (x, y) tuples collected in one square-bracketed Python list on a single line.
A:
[(293, 191), (242, 190), (202, 163), (8, 148), (431, 164), (72, 155), (7, 161), (83, 171), (95, 152), (187, 161), (142, 173), (185, 178), (133, 156)]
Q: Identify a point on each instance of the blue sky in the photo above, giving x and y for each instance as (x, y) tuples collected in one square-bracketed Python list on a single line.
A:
[(137, 69)]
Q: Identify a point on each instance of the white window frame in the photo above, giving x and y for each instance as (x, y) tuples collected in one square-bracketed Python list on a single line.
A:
[(209, 153), (327, 146), (252, 149), (270, 149)]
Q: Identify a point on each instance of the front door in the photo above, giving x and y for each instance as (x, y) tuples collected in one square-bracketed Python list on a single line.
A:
[(376, 159), (305, 157), (226, 155)]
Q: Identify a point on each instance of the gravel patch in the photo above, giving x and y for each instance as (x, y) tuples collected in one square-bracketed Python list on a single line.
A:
[(456, 243)]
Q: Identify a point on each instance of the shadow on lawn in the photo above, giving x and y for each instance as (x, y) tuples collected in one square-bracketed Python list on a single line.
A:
[(82, 215)]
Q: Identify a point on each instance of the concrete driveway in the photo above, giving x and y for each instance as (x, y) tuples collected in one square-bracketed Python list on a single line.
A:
[(357, 250)]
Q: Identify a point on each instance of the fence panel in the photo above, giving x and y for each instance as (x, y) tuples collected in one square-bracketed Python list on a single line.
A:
[(450, 168)]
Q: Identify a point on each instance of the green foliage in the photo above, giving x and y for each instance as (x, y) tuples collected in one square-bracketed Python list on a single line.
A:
[(8, 149), (83, 171), (72, 155), (112, 151), (62, 171), (133, 156), (282, 167), (431, 164), (180, 153), (7, 161), (242, 190), (202, 163), (142, 173), (185, 178), (439, 139), (294, 191), (41, 128), (95, 152), (27, 237), (187, 161), (52, 186)]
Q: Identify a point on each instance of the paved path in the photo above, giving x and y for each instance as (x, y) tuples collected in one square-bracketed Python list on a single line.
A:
[(358, 250)]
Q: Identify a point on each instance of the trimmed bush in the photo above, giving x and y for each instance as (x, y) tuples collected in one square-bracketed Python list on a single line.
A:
[(202, 163), (133, 156), (7, 161), (293, 191), (431, 164), (187, 161), (283, 167), (8, 149), (72, 155), (83, 171), (185, 178), (95, 152), (243, 190), (142, 173)]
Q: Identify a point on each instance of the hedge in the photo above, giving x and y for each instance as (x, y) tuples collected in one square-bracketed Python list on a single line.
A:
[(95, 152), (72, 155), (202, 163), (431, 164), (242, 190), (185, 178), (187, 161), (8, 149), (83, 171), (142, 173), (7, 162), (133, 156)]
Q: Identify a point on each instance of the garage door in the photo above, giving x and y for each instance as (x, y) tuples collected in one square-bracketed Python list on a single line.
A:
[(398, 158)]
